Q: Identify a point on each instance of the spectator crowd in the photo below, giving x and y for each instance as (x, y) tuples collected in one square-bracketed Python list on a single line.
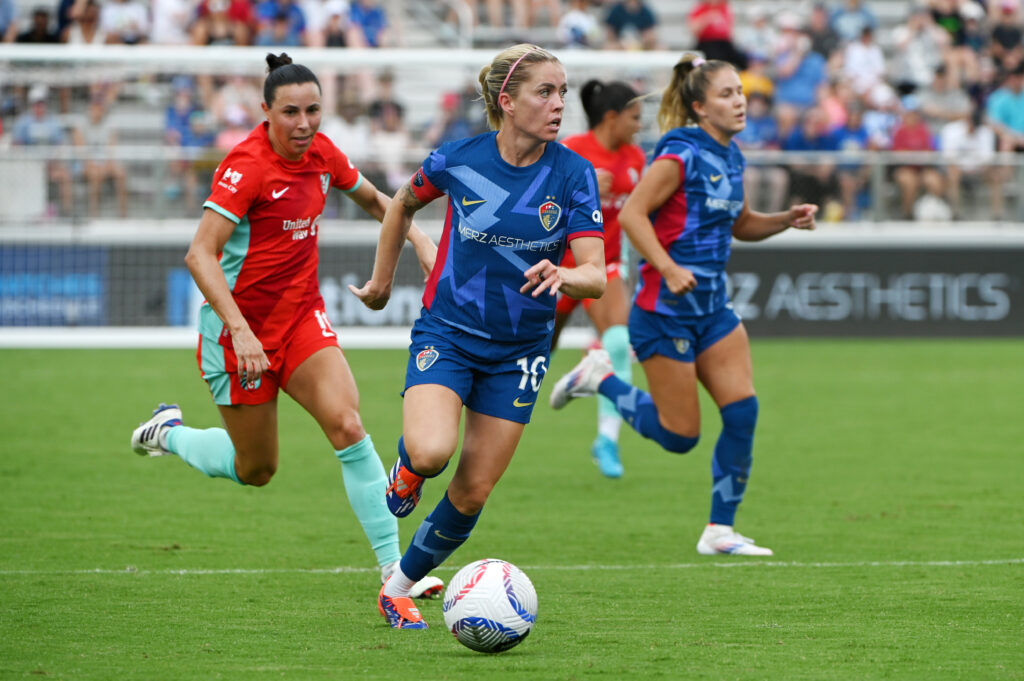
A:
[(826, 80)]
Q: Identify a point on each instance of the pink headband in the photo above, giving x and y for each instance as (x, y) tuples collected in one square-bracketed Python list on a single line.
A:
[(698, 62), (509, 74)]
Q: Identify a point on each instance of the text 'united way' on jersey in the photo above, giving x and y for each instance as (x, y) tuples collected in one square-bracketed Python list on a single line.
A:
[(695, 224), (501, 220)]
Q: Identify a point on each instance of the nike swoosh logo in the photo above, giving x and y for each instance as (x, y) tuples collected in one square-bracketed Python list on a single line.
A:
[(466, 202), (279, 193), (438, 533), (517, 403), (715, 178)]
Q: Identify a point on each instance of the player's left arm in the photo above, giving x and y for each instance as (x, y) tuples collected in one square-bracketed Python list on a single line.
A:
[(754, 226), (375, 203)]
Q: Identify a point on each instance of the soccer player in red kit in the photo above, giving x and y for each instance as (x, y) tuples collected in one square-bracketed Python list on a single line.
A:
[(613, 114), (263, 326)]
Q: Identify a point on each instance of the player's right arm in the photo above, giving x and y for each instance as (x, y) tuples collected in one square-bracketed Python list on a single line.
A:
[(394, 230), (202, 261), (657, 185)]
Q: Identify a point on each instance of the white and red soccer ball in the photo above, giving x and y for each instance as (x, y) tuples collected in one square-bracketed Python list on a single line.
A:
[(490, 605)]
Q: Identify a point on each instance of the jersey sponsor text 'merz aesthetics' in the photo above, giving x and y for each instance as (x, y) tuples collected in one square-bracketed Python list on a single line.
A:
[(502, 220), (271, 259)]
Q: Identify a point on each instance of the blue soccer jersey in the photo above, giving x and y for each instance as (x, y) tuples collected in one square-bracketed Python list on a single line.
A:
[(501, 220), (695, 224)]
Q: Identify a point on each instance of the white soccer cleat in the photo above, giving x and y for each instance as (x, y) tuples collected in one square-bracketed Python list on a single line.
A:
[(146, 438), (428, 587), (723, 539), (583, 380)]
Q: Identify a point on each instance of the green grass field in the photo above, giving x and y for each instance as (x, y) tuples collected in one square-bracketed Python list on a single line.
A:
[(889, 479)]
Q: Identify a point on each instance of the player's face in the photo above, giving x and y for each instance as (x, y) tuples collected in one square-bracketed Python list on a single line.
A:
[(294, 119), (723, 113), (628, 123), (537, 107)]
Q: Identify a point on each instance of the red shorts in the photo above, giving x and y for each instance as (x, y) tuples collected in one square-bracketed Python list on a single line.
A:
[(219, 365), (566, 305)]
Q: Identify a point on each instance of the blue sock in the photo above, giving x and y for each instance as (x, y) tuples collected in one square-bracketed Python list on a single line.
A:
[(615, 340), (209, 451), (365, 482), (403, 456), (440, 533), (730, 464), (638, 410)]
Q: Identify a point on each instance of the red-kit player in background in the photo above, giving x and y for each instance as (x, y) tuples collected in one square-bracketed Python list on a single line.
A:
[(263, 326), (613, 114)]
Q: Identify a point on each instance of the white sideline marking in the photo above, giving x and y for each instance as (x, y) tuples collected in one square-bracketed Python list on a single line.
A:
[(753, 563)]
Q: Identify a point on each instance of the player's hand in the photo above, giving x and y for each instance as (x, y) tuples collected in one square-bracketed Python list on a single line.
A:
[(802, 216), (679, 280), (252, 361), (544, 276), (373, 295)]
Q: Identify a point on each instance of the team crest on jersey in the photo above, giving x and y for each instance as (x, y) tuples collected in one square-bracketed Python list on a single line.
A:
[(229, 180), (325, 182), (426, 358), (549, 214), (682, 345)]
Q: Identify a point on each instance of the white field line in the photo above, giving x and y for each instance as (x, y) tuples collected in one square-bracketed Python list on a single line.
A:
[(132, 570)]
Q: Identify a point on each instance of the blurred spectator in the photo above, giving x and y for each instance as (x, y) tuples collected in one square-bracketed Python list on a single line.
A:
[(223, 22), (850, 20), (975, 33), (237, 91), (236, 126), (279, 22), (766, 186), (39, 127), (350, 129), (1007, 37), (863, 62), (835, 98), (918, 46), (631, 23), (755, 79), (824, 40), (124, 21), (711, 22), (1005, 110), (811, 181), (367, 24), (336, 29), (943, 101), (319, 15), (390, 141), (960, 59), (921, 186), (852, 175), (969, 147), (98, 138), (84, 28), (39, 30), (8, 21), (187, 127), (578, 27), (881, 115), (451, 124), (172, 21), (758, 35), (799, 72), (523, 13)]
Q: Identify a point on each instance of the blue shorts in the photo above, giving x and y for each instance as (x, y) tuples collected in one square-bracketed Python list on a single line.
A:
[(678, 338), (491, 378)]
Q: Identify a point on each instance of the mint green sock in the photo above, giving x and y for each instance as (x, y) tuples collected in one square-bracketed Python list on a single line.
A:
[(365, 484), (615, 340), (209, 451)]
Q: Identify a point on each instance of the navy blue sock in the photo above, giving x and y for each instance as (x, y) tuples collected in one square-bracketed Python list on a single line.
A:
[(638, 410), (440, 533), (403, 456), (730, 465)]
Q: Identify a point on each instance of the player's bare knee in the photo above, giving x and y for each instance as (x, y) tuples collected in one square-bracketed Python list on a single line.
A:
[(257, 476), (428, 457), (346, 430)]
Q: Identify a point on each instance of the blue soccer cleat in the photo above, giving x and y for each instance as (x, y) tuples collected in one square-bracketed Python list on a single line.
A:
[(605, 452)]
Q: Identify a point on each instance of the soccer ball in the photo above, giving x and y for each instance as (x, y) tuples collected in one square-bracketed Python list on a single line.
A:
[(490, 605)]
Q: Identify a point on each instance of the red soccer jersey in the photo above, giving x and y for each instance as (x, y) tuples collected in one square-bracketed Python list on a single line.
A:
[(626, 164), (271, 259)]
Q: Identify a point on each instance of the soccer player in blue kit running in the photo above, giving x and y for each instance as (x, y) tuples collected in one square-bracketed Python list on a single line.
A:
[(516, 201), (682, 218)]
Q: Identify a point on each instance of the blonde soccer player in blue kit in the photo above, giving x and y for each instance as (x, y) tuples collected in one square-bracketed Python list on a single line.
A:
[(516, 201)]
